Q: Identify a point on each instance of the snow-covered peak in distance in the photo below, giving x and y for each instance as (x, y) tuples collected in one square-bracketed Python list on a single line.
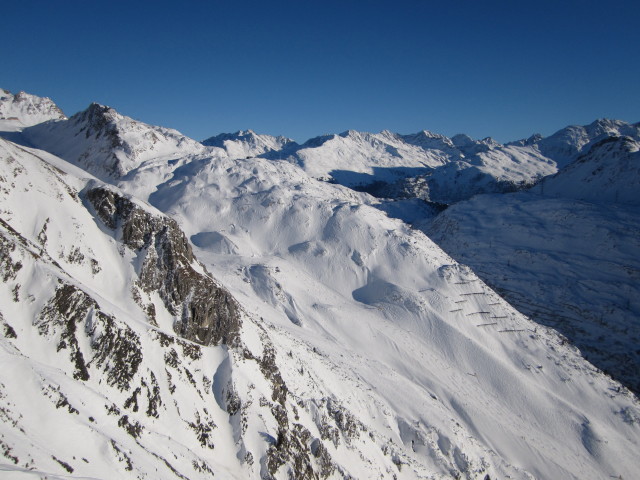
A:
[(608, 172), (565, 145), (108, 144), (354, 158), (23, 109), (429, 140), (247, 143), (533, 139)]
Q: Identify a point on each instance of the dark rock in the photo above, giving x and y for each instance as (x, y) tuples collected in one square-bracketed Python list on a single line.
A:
[(116, 348), (207, 313), (132, 428), (68, 307), (8, 268), (64, 465)]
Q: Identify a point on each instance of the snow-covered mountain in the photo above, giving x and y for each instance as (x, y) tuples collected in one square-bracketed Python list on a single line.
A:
[(448, 170), (329, 340), (428, 165), (109, 145), (247, 143), (608, 172), (23, 110), (567, 253), (566, 144)]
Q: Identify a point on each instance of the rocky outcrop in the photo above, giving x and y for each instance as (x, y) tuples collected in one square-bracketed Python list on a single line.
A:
[(206, 313), (99, 120), (115, 347)]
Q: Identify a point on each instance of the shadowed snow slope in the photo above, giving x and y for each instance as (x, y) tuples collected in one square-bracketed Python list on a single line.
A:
[(608, 172)]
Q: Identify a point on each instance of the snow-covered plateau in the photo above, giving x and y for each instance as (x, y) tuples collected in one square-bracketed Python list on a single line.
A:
[(243, 308)]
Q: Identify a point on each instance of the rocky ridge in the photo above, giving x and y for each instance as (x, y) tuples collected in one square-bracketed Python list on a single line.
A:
[(110, 145)]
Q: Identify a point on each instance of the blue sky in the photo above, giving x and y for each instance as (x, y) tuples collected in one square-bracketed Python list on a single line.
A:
[(504, 69)]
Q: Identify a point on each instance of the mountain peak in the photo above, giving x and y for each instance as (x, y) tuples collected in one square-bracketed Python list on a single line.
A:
[(247, 143), (429, 140), (338, 343), (566, 144), (24, 109), (107, 143)]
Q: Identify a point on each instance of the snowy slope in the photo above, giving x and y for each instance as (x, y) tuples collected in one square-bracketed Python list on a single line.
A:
[(247, 143), (566, 144), (434, 353), (568, 264), (354, 348), (608, 172), (567, 253), (23, 110), (108, 144)]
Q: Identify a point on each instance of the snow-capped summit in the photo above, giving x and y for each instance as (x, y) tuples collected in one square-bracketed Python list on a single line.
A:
[(607, 172), (564, 145), (471, 147), (533, 139), (108, 144), (247, 143), (23, 109), (429, 140)]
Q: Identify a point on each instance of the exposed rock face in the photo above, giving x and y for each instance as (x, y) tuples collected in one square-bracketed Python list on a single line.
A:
[(207, 313), (115, 348), (99, 120)]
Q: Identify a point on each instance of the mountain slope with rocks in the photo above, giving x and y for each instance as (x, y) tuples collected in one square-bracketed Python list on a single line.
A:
[(205, 316), (109, 145)]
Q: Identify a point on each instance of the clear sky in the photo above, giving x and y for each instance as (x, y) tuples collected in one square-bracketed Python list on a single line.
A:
[(303, 68)]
